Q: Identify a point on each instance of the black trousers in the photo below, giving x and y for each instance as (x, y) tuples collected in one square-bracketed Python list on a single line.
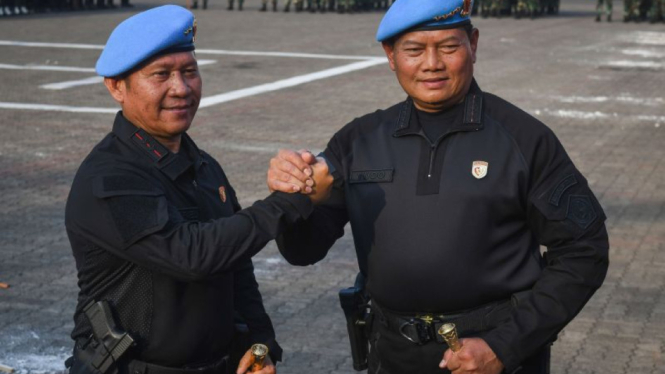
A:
[(391, 353)]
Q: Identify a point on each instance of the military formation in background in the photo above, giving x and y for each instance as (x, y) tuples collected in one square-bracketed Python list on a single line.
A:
[(652, 11), (19, 7), (322, 6), (643, 10), (516, 8)]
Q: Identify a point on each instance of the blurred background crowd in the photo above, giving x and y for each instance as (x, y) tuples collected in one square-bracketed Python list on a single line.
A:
[(19, 7)]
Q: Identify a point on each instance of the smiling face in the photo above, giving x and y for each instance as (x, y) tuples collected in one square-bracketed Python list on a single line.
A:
[(162, 96), (435, 68)]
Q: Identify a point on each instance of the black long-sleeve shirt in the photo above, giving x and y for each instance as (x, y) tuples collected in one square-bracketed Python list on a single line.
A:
[(454, 223), (161, 236)]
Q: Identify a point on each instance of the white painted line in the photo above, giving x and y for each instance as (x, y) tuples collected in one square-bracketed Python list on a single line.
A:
[(582, 115), (576, 114), (221, 98), (270, 149), (582, 99), (636, 64), (290, 82), (70, 84), (649, 101), (50, 45), (198, 51), (95, 80), (57, 108), (643, 53), (622, 98), (651, 118), (47, 68), (644, 37), (203, 62), (283, 54)]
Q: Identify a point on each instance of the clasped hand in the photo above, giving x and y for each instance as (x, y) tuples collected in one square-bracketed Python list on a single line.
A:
[(300, 171)]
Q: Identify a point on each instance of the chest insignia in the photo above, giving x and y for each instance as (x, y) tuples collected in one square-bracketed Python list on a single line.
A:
[(479, 169), (222, 193)]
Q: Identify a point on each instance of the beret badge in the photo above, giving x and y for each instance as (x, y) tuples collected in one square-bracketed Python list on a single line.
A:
[(464, 11), (192, 30)]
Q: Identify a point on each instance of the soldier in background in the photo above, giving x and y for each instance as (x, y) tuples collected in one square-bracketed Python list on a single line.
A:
[(346, 6), (264, 6), (194, 5), (320, 5), (631, 10), (240, 2), (607, 4), (8, 7), (298, 4), (657, 11)]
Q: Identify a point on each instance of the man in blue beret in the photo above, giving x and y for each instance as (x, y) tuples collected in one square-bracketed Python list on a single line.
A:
[(450, 195), (162, 247)]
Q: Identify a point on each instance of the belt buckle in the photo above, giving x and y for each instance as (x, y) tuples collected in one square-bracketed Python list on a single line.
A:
[(424, 328)]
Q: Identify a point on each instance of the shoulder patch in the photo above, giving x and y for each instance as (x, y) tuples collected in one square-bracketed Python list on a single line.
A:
[(581, 211), (557, 193), (116, 185)]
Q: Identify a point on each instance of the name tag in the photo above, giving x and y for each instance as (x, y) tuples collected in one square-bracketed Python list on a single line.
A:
[(371, 176)]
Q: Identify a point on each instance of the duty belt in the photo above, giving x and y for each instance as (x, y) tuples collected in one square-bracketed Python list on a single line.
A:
[(422, 328), (141, 367)]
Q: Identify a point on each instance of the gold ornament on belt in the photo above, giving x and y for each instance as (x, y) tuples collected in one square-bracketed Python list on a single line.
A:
[(259, 353), (449, 333)]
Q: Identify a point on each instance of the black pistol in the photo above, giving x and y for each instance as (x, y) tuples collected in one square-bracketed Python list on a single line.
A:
[(355, 305), (107, 345)]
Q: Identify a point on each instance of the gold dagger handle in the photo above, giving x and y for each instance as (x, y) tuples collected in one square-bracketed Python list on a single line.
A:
[(259, 353), (449, 333)]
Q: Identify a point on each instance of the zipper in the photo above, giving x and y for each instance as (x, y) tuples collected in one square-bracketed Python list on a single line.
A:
[(432, 152), (433, 148)]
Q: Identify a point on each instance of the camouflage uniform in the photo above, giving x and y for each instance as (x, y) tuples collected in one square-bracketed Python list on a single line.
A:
[(631, 10), (264, 5), (240, 2), (298, 4), (608, 9), (529, 8), (657, 11), (345, 5), (321, 5), (493, 8)]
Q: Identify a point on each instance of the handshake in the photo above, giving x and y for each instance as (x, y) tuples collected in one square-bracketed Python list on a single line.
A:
[(300, 172)]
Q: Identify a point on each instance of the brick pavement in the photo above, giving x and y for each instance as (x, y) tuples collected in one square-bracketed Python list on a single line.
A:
[(599, 86)]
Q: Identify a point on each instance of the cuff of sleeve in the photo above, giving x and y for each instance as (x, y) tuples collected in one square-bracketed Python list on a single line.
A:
[(502, 351), (301, 202)]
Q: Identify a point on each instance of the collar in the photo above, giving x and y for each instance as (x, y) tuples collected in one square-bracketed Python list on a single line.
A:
[(169, 163), (472, 121)]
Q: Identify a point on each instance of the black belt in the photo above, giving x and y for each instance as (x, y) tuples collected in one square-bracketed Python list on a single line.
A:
[(140, 367), (422, 328)]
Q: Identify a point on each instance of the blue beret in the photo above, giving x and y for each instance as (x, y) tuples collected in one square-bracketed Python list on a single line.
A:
[(409, 15), (159, 30)]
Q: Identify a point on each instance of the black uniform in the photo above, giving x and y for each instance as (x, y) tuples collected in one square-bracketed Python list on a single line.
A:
[(433, 238), (161, 237)]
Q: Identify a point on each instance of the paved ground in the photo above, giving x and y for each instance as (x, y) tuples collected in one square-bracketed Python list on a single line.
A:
[(599, 86)]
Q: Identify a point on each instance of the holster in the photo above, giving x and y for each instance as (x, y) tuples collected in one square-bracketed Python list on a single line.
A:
[(107, 344), (355, 304)]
